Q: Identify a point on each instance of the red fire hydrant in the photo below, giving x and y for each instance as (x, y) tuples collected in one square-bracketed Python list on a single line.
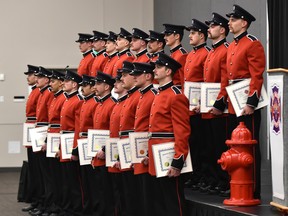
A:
[(238, 161)]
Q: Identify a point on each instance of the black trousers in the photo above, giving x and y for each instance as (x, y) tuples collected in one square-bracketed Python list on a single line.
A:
[(252, 122), (117, 190)]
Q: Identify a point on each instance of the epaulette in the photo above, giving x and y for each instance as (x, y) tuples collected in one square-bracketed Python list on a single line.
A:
[(207, 48), (154, 91), (251, 37), (176, 90), (105, 54), (129, 54), (79, 97), (113, 99), (183, 50), (226, 44)]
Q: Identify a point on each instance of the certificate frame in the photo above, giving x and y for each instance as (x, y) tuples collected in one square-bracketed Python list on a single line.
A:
[(84, 159), (66, 145), (192, 90), (96, 140), (163, 155), (53, 143), (111, 152), (27, 134), (38, 137), (138, 145), (124, 153), (238, 95)]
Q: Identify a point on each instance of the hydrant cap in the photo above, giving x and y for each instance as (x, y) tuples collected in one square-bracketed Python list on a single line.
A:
[(241, 135)]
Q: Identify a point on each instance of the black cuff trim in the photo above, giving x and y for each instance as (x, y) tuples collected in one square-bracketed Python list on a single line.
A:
[(103, 148), (220, 104), (178, 163), (253, 100), (75, 152)]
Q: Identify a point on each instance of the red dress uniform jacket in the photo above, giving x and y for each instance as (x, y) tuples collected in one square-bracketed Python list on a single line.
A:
[(169, 114), (43, 104), (85, 64), (154, 56), (215, 69), (54, 112), (194, 66), (179, 54), (114, 124), (142, 56), (125, 55), (101, 119), (31, 105), (69, 117), (99, 63), (110, 64), (246, 59), (142, 116)]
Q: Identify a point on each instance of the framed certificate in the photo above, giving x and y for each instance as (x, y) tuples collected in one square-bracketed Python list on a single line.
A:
[(139, 146), (38, 137), (53, 142), (111, 152), (192, 91), (163, 155), (67, 145), (84, 159), (27, 134), (238, 94), (96, 140), (124, 153)]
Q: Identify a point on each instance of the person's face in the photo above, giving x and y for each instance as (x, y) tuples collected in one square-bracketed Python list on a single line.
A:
[(98, 45), (154, 46), (160, 72), (110, 47), (41, 81), (121, 44), (214, 31), (195, 38), (87, 89), (56, 85), (101, 88), (170, 38), (84, 46), (137, 44), (140, 79), (118, 87), (69, 86), (236, 26), (31, 79), (127, 80)]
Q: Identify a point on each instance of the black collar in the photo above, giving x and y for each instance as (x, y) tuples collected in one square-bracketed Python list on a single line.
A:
[(124, 97), (132, 90), (166, 86), (58, 93), (199, 46), (89, 97), (123, 52), (146, 89), (175, 48), (219, 43), (101, 100), (114, 54), (141, 53), (157, 53), (44, 88), (87, 53), (33, 87), (240, 36), (96, 98), (100, 52), (70, 95)]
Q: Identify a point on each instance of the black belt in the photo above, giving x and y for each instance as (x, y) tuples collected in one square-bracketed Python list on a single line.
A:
[(54, 125), (235, 81), (66, 132), (160, 135), (83, 134), (39, 124), (31, 118), (125, 133)]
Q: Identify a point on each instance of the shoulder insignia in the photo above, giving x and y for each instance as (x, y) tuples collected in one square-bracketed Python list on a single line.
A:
[(176, 90), (183, 50), (154, 91), (79, 97), (207, 48), (129, 54), (226, 44), (105, 54), (251, 37), (113, 99)]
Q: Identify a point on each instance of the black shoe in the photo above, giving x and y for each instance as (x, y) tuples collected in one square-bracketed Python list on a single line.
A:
[(53, 214), (27, 208), (225, 193), (45, 214), (204, 188), (213, 191), (36, 212)]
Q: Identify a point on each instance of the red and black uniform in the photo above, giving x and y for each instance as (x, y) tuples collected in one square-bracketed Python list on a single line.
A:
[(142, 56), (43, 105), (179, 54), (99, 62), (193, 72), (125, 55), (246, 59), (85, 64), (169, 122), (71, 185), (154, 56), (110, 64)]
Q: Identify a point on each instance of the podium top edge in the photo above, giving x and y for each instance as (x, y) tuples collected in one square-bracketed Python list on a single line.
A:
[(277, 70)]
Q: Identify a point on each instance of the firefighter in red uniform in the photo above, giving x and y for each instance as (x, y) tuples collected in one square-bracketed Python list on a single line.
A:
[(173, 37), (91, 200), (85, 46), (100, 57), (31, 119), (101, 121), (122, 47), (112, 53), (169, 122), (69, 117), (193, 72), (139, 45), (156, 44), (246, 59), (143, 73)]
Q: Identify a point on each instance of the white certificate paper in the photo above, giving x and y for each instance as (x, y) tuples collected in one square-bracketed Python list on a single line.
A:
[(238, 94), (53, 142), (192, 91), (67, 145), (138, 145), (38, 137), (27, 134), (84, 159), (124, 153), (111, 152), (96, 140), (163, 155)]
